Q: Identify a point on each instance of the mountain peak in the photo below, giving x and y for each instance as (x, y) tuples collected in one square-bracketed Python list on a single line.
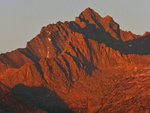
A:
[(88, 16), (88, 10), (89, 13)]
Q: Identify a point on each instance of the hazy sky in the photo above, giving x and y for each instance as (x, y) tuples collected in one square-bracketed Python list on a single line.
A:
[(21, 20)]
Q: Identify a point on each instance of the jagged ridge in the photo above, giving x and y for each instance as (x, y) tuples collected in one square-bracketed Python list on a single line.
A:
[(65, 55)]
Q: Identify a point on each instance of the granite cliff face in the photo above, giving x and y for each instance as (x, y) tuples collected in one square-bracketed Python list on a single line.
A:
[(91, 64)]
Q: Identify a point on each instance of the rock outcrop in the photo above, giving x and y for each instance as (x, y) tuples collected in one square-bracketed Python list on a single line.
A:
[(91, 64)]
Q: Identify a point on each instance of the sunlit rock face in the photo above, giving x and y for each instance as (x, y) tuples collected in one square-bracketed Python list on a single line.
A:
[(89, 65)]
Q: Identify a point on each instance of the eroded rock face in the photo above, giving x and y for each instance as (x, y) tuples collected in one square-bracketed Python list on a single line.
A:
[(91, 64)]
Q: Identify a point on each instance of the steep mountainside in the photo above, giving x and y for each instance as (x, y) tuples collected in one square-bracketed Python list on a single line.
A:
[(90, 64)]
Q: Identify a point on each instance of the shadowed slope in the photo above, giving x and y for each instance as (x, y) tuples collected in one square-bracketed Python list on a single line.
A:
[(10, 103), (42, 98)]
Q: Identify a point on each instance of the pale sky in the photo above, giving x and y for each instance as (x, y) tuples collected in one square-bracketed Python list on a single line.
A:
[(21, 20)]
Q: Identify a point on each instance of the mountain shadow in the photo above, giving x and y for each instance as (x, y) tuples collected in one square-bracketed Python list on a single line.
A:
[(139, 46), (41, 98)]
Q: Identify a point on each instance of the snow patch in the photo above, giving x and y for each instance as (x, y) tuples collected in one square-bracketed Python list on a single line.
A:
[(49, 39), (47, 55)]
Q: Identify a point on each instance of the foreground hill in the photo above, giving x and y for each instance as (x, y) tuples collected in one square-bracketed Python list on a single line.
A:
[(10, 103), (88, 65)]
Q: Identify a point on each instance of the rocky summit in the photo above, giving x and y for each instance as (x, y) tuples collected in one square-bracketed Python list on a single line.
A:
[(88, 65)]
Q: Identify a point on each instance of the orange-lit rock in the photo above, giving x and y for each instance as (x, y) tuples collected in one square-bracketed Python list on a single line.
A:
[(90, 63)]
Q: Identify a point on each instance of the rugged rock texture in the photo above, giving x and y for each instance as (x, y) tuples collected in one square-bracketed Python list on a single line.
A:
[(91, 64)]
